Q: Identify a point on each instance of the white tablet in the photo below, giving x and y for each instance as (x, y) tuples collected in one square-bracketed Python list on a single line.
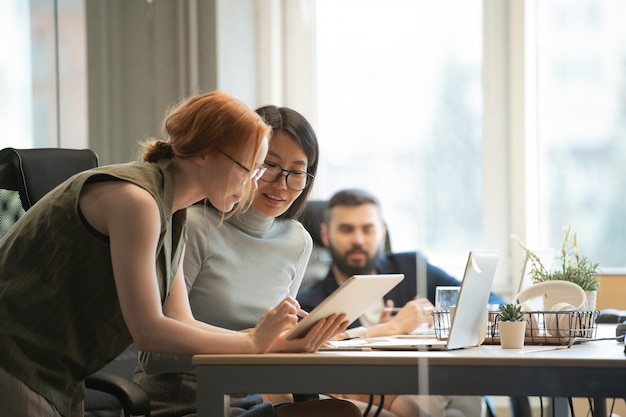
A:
[(352, 298)]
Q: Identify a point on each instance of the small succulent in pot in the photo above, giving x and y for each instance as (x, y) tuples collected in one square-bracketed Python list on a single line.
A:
[(512, 326), (511, 312)]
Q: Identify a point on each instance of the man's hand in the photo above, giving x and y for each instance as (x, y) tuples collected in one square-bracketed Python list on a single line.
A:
[(388, 312), (408, 318)]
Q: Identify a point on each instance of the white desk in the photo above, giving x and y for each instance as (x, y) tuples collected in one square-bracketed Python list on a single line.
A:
[(594, 369)]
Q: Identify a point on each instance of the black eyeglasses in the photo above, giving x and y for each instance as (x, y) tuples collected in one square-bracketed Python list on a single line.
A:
[(296, 180), (255, 173)]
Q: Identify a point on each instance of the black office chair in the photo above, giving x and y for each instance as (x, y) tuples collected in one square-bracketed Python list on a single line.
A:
[(26, 175), (111, 390)]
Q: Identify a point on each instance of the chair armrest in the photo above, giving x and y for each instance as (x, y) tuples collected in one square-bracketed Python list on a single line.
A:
[(305, 397), (133, 398)]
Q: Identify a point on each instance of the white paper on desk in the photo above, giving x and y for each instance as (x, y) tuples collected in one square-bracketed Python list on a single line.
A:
[(424, 330), (385, 342), (347, 343)]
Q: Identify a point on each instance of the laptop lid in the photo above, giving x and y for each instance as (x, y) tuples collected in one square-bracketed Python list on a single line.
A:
[(546, 256), (469, 318), (471, 306), (353, 297)]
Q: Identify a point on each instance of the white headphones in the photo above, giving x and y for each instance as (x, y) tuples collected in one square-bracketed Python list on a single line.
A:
[(556, 296), (553, 292)]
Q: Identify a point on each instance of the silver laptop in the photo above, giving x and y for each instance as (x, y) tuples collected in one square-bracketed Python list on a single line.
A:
[(469, 318)]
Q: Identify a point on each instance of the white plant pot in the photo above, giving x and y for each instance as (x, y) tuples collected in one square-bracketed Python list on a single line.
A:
[(512, 334), (591, 300)]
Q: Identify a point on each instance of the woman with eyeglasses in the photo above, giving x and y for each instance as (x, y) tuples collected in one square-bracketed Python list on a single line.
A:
[(96, 264), (238, 268)]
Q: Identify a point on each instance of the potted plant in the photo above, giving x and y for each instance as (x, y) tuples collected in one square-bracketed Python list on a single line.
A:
[(573, 267), (512, 326)]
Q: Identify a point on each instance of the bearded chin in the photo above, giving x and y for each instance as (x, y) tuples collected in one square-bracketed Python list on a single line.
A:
[(349, 269)]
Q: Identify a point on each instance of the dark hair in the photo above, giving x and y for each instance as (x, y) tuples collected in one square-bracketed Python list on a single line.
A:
[(352, 198), (293, 123)]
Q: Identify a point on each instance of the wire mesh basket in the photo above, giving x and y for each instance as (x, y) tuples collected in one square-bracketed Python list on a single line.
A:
[(542, 327)]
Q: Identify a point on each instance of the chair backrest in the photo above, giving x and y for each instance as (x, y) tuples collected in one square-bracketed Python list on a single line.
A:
[(320, 260), (34, 172), (312, 217), (26, 175)]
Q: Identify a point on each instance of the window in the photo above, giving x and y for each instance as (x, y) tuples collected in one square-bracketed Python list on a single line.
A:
[(582, 125), (399, 113), (43, 82)]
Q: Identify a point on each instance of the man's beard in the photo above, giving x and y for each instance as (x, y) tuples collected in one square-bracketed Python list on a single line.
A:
[(348, 269)]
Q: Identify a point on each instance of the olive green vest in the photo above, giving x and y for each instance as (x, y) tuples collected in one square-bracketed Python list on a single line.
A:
[(60, 318)]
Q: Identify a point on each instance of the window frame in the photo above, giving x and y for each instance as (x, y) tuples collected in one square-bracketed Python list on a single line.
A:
[(511, 168)]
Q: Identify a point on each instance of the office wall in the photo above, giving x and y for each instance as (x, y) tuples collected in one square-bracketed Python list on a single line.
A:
[(142, 56)]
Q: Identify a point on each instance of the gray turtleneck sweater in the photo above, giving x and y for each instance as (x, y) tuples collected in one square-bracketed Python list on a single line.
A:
[(235, 270)]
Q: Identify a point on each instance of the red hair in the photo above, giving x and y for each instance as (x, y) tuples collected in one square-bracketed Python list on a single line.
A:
[(206, 123)]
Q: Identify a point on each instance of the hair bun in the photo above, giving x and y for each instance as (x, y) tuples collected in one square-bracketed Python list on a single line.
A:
[(158, 149), (165, 149)]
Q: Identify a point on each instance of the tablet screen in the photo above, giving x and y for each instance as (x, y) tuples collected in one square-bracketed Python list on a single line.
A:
[(352, 298)]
